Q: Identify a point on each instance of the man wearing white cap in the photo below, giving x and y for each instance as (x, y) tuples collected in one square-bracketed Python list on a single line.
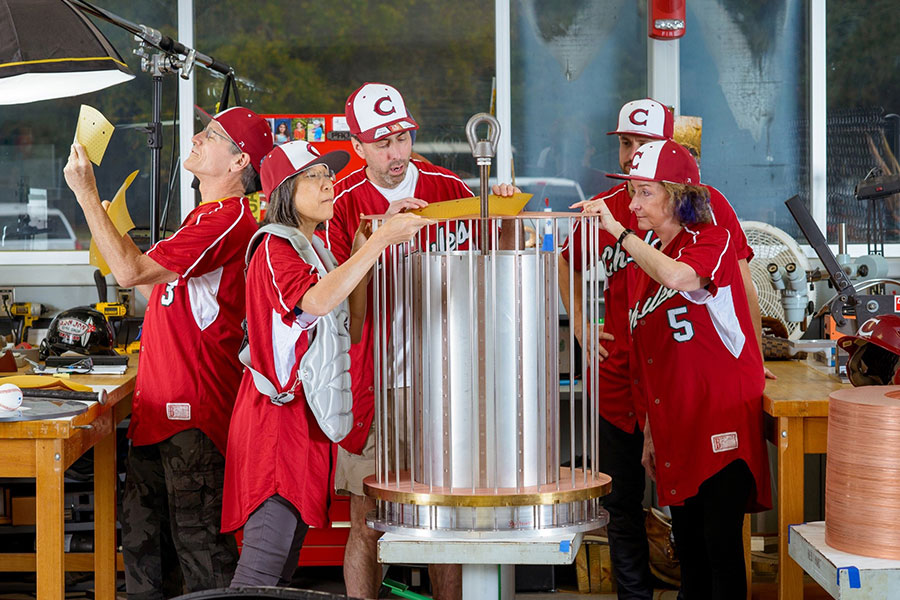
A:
[(390, 182), (617, 386), (184, 393)]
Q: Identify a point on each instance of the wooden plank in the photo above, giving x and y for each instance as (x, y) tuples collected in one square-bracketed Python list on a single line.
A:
[(49, 484), (105, 480), (75, 561), (18, 458), (815, 435), (84, 437), (790, 503), (800, 390)]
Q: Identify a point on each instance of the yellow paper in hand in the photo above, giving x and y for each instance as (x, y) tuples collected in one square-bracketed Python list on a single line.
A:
[(118, 214), (498, 206), (93, 132)]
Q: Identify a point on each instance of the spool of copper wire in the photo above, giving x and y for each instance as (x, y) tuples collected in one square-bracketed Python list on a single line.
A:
[(862, 480)]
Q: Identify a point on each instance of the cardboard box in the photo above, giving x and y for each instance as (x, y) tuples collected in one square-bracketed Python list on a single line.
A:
[(594, 568)]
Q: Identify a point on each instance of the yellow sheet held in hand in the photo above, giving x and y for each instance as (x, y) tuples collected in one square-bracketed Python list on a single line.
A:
[(498, 206), (118, 214), (93, 132)]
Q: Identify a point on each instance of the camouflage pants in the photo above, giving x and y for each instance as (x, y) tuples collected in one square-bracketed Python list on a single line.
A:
[(171, 516)]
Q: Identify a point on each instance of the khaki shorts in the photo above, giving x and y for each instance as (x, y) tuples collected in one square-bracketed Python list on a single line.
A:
[(351, 469)]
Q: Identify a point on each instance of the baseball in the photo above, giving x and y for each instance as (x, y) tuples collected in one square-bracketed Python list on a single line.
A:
[(10, 397)]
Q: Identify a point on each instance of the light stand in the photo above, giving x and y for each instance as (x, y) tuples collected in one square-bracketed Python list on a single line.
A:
[(174, 57)]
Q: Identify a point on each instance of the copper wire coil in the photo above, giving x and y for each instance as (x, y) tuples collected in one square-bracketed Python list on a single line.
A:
[(862, 481)]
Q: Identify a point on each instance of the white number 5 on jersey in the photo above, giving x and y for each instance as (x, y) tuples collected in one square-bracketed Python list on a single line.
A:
[(169, 295), (684, 331)]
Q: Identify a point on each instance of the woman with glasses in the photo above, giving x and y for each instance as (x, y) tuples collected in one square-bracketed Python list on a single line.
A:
[(294, 399)]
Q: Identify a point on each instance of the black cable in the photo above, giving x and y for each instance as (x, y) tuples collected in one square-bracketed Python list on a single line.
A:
[(173, 173)]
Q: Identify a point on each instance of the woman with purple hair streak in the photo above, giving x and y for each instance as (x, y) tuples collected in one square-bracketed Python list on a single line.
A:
[(699, 366)]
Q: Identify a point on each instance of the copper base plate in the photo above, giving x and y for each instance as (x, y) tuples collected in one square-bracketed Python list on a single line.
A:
[(400, 489)]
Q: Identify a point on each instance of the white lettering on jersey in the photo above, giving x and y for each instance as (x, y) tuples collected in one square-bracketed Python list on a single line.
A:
[(723, 442), (614, 258), (684, 329), (168, 296), (651, 304), (453, 239)]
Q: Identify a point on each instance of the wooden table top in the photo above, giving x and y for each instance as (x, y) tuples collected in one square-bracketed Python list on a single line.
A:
[(800, 390), (118, 388)]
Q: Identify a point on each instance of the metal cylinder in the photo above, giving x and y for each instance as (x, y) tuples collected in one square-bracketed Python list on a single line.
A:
[(468, 391)]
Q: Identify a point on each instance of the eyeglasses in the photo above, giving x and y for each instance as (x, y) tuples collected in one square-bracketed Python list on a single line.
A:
[(212, 132), (315, 176)]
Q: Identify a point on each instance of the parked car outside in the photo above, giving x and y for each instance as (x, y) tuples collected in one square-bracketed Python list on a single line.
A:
[(23, 227)]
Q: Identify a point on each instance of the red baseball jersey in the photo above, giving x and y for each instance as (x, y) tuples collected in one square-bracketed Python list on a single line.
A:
[(276, 449), (355, 195), (189, 370), (701, 370), (616, 386)]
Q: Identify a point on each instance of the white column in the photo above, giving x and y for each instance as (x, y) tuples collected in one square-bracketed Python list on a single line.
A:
[(488, 581), (663, 74), (818, 116), (186, 101), (503, 164)]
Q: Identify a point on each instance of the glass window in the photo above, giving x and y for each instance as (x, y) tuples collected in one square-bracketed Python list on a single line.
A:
[(863, 57), (35, 140), (573, 66), (744, 72), (308, 58)]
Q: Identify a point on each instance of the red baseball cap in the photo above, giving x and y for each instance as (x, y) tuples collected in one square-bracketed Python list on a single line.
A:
[(377, 110), (646, 118), (291, 158), (662, 161), (247, 129)]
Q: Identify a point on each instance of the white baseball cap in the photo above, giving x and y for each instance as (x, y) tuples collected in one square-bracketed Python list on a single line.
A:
[(662, 161), (291, 158), (646, 118), (377, 110)]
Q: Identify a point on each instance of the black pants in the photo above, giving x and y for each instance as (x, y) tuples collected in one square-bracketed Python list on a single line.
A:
[(620, 458), (273, 536), (708, 532), (171, 517)]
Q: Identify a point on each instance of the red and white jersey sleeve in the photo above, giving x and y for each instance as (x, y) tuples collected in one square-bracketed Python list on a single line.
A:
[(724, 216), (355, 195), (611, 379), (276, 449), (701, 370), (191, 334)]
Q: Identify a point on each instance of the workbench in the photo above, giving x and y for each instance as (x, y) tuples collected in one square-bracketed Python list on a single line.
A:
[(43, 450), (796, 405)]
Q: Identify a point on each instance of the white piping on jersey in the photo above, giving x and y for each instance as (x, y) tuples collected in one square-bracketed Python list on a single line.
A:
[(446, 175), (338, 197), (175, 235), (721, 254), (286, 308), (217, 240), (352, 187)]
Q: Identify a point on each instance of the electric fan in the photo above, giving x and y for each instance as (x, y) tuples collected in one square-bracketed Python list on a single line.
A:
[(772, 245)]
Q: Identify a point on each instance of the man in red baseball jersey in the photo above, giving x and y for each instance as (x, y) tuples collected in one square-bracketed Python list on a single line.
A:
[(701, 368), (390, 182), (617, 388), (189, 370)]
